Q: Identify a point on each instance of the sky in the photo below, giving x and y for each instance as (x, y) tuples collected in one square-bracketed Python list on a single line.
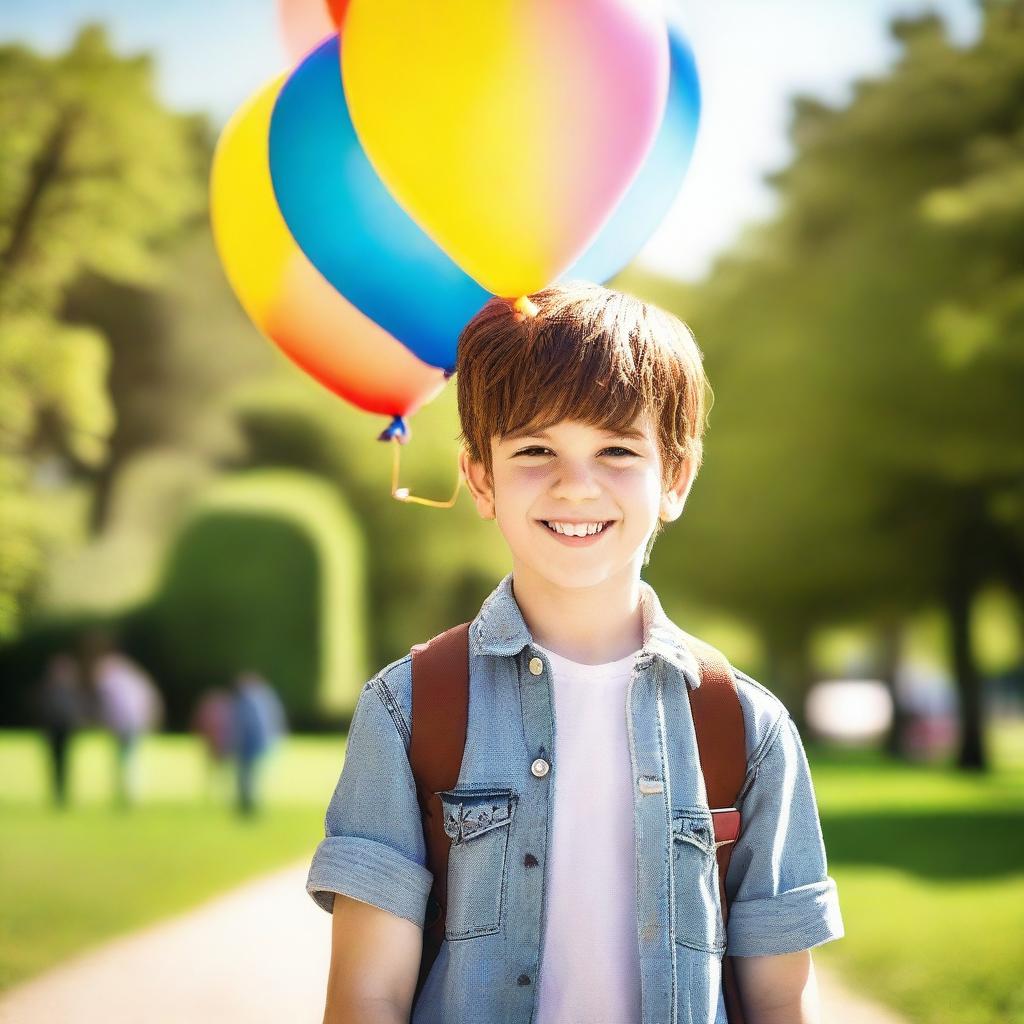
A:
[(753, 56)]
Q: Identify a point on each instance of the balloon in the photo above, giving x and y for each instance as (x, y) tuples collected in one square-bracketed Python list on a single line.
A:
[(654, 189), (508, 129), (285, 296), (304, 23), (337, 9), (357, 236), (350, 227)]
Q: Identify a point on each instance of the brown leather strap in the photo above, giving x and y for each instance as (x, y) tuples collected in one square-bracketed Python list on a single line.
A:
[(440, 713), (722, 749)]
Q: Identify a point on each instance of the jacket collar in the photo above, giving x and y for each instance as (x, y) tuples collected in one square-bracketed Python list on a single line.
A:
[(499, 629)]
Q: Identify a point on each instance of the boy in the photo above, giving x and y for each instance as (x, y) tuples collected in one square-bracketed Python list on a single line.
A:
[(587, 889)]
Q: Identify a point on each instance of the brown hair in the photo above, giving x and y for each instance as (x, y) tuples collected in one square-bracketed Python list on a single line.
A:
[(579, 351)]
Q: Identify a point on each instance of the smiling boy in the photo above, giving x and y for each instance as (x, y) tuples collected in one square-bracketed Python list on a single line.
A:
[(590, 893)]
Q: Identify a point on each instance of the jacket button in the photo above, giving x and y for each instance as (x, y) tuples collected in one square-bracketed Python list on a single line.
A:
[(536, 666), (540, 767)]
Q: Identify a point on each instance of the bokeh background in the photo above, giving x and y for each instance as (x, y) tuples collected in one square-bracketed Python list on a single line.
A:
[(849, 250)]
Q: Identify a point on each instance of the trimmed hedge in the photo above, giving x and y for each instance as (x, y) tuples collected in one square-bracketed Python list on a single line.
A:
[(268, 572)]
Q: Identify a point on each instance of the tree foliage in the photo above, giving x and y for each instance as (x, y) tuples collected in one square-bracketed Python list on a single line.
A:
[(95, 177), (867, 349)]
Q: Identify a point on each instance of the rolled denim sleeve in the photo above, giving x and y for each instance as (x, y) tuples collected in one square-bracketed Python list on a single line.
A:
[(782, 899), (373, 848)]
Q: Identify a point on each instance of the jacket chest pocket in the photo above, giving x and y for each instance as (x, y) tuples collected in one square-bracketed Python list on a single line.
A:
[(698, 915), (478, 822)]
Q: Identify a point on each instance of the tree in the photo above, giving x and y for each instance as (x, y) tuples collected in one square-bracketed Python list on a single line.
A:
[(95, 177), (867, 349)]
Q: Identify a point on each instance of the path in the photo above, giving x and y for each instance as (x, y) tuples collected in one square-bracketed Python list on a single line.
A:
[(258, 954)]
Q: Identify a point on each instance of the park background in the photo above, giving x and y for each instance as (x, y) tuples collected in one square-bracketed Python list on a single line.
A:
[(849, 251)]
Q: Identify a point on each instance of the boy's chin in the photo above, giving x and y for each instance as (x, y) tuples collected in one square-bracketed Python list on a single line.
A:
[(573, 568)]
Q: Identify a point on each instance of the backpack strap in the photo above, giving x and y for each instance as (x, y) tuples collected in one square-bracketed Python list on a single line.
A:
[(440, 713), (721, 747)]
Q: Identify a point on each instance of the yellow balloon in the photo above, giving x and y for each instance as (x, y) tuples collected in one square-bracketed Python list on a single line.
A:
[(243, 210), (507, 129)]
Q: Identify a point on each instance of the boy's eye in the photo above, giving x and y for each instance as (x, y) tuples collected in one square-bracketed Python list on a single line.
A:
[(537, 448)]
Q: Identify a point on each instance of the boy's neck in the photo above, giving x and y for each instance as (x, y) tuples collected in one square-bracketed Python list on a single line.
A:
[(589, 625)]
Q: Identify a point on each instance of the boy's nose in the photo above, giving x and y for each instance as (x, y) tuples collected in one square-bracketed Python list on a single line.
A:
[(578, 483)]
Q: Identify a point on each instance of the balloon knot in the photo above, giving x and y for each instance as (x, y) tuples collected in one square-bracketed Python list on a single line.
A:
[(525, 307), (397, 430)]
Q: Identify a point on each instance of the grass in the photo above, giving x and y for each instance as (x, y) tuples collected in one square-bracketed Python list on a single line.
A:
[(929, 862), (172, 768), (71, 881), (73, 878), (930, 869)]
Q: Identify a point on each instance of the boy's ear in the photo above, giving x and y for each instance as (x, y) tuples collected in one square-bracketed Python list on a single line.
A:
[(479, 485), (673, 499)]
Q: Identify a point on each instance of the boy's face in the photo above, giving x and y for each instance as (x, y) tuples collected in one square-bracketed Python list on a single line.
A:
[(577, 472)]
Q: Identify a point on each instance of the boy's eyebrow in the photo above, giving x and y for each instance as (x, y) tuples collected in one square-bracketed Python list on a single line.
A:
[(608, 431)]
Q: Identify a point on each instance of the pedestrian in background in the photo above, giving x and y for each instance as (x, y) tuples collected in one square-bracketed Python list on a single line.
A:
[(128, 704), (212, 720), (60, 706), (258, 723)]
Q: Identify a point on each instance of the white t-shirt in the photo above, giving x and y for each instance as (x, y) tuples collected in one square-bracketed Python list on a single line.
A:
[(590, 965)]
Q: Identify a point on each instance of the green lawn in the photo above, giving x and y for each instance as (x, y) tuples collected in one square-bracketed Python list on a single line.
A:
[(929, 863), (72, 878), (930, 870), (70, 882), (172, 768)]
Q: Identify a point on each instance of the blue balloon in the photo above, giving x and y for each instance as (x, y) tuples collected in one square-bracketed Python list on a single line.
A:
[(643, 207), (351, 229)]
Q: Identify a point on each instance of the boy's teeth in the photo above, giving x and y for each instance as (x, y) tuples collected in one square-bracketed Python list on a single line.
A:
[(576, 529)]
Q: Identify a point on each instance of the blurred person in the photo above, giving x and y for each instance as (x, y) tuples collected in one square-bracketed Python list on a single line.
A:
[(258, 722), (61, 709), (211, 720), (129, 705), (931, 711)]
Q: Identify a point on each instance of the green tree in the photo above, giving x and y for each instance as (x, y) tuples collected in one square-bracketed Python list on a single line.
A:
[(95, 177), (867, 349)]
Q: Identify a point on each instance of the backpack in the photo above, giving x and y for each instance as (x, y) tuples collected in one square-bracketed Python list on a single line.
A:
[(440, 710)]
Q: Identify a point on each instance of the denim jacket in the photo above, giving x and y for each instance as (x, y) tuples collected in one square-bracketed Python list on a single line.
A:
[(499, 814)]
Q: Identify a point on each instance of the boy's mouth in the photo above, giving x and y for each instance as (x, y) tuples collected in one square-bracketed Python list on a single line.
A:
[(574, 539)]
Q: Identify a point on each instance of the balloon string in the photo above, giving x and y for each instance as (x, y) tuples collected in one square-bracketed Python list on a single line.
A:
[(402, 493)]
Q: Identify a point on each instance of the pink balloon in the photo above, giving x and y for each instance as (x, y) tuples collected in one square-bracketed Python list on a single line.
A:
[(304, 23)]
